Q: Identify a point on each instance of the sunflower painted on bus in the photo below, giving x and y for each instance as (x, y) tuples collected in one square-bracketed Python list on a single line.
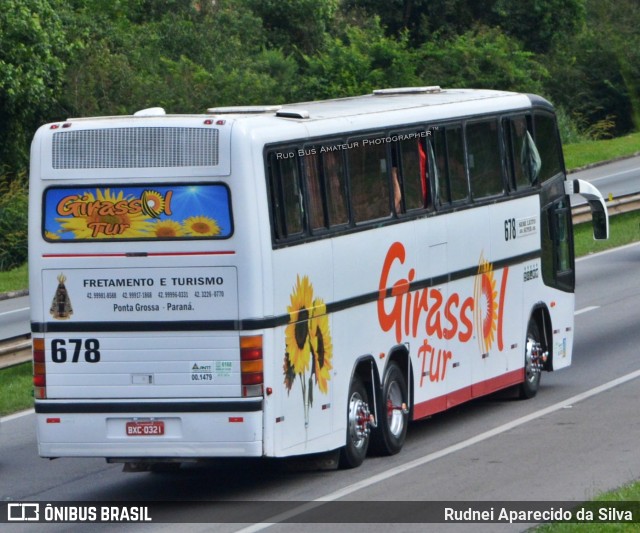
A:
[(308, 344), (486, 308)]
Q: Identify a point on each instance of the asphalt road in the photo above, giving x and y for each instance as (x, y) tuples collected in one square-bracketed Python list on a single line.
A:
[(578, 437), (14, 317), (614, 179)]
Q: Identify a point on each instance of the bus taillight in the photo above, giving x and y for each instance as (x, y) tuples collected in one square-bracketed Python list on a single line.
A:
[(39, 371), (251, 367)]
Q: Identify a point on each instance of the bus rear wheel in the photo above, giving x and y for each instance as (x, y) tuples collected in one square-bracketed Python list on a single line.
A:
[(389, 436), (534, 356), (353, 453)]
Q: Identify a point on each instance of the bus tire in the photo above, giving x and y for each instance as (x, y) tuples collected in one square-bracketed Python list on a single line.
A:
[(532, 368), (393, 419), (352, 454)]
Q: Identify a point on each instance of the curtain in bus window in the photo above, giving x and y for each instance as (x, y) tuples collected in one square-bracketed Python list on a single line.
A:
[(548, 143), (314, 190), (413, 165), (485, 165), (369, 181), (437, 150), (334, 178)]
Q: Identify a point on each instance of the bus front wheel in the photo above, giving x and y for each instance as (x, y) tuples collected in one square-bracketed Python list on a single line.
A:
[(354, 451)]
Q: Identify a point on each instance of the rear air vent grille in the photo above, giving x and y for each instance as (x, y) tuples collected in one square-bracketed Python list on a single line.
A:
[(135, 148)]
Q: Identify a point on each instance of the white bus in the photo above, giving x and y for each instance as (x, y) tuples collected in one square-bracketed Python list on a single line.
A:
[(290, 280)]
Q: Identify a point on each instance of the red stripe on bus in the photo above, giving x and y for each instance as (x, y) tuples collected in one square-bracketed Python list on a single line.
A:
[(145, 254), (446, 401)]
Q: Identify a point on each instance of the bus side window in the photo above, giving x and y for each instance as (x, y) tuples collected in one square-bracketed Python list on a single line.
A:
[(368, 179), (412, 159), (314, 188), (485, 163), (286, 196), (458, 183), (548, 144), (335, 184), (451, 177), (518, 151), (437, 149)]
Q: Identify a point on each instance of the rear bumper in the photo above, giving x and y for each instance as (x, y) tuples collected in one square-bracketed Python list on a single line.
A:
[(191, 430)]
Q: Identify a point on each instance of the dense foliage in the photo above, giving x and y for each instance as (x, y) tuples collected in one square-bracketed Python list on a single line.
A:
[(63, 58), (13, 223)]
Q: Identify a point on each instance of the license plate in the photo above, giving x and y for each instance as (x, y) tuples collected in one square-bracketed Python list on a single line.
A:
[(145, 428)]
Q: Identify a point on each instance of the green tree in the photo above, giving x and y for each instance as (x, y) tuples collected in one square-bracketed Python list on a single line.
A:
[(482, 58), (295, 25), (209, 55), (540, 24), (13, 221), (426, 20), (595, 75), (356, 63), (33, 48), (615, 26)]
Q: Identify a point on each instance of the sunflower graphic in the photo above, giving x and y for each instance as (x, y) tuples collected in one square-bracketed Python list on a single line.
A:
[(486, 308), (166, 228), (321, 347), (308, 345), (201, 226), (152, 203), (297, 332), (93, 224)]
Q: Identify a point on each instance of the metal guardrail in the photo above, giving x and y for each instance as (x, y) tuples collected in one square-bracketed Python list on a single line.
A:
[(622, 204), (15, 351)]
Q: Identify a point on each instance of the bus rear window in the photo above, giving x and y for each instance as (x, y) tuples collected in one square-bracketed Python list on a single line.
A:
[(139, 212)]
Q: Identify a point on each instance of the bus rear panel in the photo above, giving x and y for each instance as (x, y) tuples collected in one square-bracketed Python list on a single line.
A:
[(135, 293)]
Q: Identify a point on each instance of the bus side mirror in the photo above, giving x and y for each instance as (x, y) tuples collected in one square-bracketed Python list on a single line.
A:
[(599, 215), (600, 220)]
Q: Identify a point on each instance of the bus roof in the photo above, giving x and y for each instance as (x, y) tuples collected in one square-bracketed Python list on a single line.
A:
[(380, 101)]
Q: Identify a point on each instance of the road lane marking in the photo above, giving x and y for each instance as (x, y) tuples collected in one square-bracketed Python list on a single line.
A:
[(586, 309), (615, 174), (382, 476), (16, 415), (605, 252), (15, 311)]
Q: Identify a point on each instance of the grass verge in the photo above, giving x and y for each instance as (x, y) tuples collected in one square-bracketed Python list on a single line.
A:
[(16, 386), (623, 229), (14, 280), (628, 493), (589, 152)]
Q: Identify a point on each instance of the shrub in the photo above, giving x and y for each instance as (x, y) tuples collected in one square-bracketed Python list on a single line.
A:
[(14, 201)]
